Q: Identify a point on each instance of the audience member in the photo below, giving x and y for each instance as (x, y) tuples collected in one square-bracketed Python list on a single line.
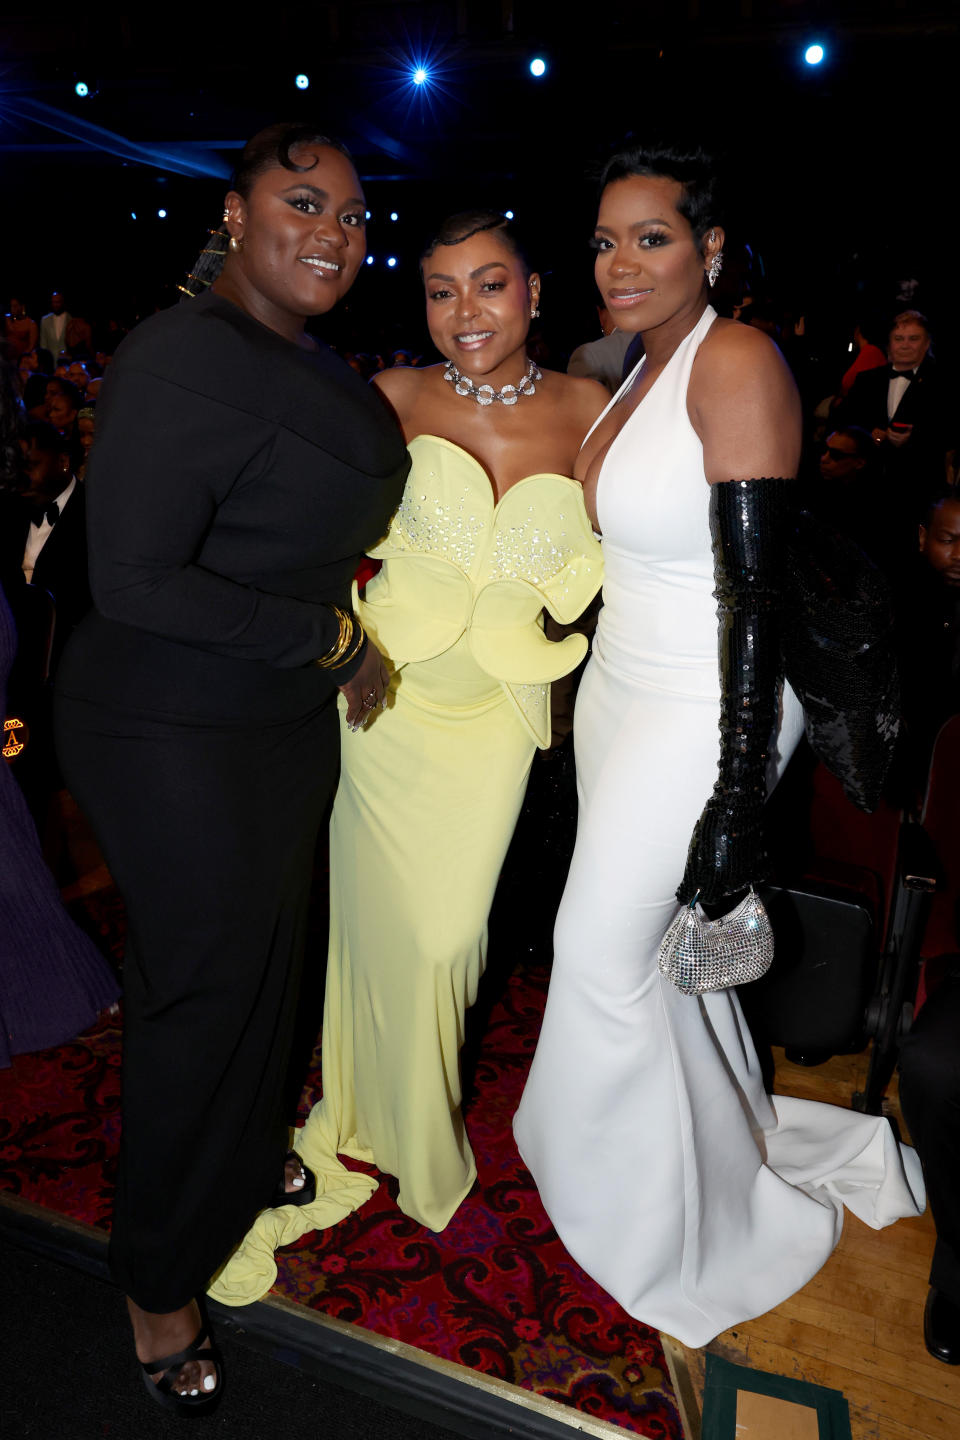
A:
[(929, 627), (904, 407), (60, 331), (43, 540), (868, 357), (86, 417), (602, 359), (930, 1099), (20, 332)]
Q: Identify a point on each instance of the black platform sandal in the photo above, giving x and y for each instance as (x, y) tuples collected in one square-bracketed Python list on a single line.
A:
[(163, 1391), (307, 1192)]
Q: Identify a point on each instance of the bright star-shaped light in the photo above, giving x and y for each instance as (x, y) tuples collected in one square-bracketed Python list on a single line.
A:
[(814, 54), (420, 76)]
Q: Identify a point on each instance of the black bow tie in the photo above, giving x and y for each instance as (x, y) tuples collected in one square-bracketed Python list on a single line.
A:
[(50, 513), (902, 374)]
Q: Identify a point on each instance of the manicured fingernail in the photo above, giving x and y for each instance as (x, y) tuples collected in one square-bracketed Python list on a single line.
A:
[(209, 1383)]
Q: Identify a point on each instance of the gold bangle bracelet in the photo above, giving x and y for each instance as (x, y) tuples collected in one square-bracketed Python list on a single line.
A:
[(360, 634), (335, 654)]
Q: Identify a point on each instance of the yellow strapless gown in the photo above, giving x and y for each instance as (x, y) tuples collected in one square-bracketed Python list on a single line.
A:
[(428, 799)]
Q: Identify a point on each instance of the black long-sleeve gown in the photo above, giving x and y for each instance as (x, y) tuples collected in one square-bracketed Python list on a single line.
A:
[(235, 481)]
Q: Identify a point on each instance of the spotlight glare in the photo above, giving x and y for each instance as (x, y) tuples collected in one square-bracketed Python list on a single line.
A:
[(162, 214), (420, 76), (538, 67), (369, 214), (370, 259), (392, 262), (302, 82), (81, 89), (508, 214), (394, 215), (814, 54), (133, 214)]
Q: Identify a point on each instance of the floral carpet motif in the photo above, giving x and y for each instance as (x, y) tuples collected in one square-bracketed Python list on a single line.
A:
[(496, 1291)]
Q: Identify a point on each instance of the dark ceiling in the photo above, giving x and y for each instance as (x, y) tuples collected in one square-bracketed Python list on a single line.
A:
[(825, 186)]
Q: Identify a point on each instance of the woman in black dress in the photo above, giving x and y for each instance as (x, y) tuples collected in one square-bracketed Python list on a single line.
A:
[(240, 471)]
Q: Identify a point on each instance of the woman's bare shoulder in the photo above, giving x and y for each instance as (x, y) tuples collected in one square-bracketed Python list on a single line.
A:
[(575, 393)]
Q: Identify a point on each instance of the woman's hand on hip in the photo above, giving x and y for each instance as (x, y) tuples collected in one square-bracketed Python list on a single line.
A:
[(366, 692)]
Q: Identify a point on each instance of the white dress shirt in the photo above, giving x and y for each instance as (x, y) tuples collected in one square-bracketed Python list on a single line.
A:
[(896, 389), (38, 535)]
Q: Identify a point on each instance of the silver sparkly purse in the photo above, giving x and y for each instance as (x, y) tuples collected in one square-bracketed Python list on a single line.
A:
[(697, 954)]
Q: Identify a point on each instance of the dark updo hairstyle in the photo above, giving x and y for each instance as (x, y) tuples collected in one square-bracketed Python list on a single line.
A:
[(467, 223), (693, 169), (269, 149)]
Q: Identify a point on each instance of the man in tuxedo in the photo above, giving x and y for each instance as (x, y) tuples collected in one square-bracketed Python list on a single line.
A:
[(43, 552), (59, 330), (44, 530), (904, 407)]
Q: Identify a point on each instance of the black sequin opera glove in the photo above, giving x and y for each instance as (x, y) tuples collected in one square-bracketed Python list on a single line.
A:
[(749, 521)]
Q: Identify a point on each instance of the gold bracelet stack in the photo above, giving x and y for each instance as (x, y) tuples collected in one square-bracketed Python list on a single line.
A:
[(347, 643)]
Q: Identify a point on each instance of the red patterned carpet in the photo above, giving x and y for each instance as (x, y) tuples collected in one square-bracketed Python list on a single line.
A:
[(496, 1291)]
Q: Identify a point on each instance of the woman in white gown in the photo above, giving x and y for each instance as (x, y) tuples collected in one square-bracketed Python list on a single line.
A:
[(693, 1197)]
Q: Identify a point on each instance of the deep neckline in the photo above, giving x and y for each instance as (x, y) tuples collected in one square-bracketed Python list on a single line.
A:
[(488, 483)]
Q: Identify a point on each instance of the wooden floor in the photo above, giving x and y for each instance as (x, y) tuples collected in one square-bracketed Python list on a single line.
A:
[(858, 1326)]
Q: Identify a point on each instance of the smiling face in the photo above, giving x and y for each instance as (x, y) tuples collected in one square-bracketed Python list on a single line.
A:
[(479, 303), (649, 269), (302, 237)]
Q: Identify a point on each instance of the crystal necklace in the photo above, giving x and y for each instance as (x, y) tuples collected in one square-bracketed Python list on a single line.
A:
[(485, 394)]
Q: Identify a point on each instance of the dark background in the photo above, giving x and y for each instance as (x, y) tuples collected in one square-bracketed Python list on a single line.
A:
[(842, 179)]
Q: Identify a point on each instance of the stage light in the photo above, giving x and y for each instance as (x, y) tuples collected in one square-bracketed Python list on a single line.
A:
[(538, 67), (370, 259), (81, 89), (133, 214), (394, 215), (814, 54), (508, 214), (161, 214), (420, 76), (392, 262), (302, 82), (369, 214)]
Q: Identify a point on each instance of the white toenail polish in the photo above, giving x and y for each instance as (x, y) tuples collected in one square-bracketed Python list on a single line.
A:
[(194, 1392), (209, 1383)]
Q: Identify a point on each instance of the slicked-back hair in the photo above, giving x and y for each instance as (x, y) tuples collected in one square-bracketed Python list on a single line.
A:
[(694, 170), (467, 223), (269, 149)]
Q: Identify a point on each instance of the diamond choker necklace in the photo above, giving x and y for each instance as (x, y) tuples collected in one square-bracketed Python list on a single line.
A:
[(485, 394)]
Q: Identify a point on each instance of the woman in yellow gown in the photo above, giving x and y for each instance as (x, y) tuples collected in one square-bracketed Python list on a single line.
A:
[(491, 532)]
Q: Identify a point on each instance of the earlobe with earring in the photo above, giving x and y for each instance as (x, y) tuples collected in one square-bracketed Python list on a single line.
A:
[(716, 264), (235, 245)]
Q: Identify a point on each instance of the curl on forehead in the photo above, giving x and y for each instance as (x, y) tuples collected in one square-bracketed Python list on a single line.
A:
[(467, 223), (274, 148), (692, 168)]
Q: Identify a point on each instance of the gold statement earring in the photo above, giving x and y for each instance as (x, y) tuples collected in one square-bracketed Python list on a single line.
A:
[(235, 245)]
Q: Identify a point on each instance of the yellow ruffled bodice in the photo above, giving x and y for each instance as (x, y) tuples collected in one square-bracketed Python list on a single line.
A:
[(457, 563)]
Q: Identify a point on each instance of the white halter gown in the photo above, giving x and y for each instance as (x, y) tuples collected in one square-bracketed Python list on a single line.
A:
[(695, 1199)]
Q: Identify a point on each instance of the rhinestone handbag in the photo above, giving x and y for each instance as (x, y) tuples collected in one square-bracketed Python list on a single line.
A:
[(697, 954)]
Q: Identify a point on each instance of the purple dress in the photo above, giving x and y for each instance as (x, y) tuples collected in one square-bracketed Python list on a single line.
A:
[(53, 980)]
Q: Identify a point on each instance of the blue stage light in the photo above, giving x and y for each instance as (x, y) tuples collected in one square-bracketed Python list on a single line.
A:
[(538, 67), (133, 214), (81, 89), (368, 214), (508, 214), (370, 259), (420, 76), (394, 215), (302, 82), (162, 214), (814, 54), (392, 262)]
